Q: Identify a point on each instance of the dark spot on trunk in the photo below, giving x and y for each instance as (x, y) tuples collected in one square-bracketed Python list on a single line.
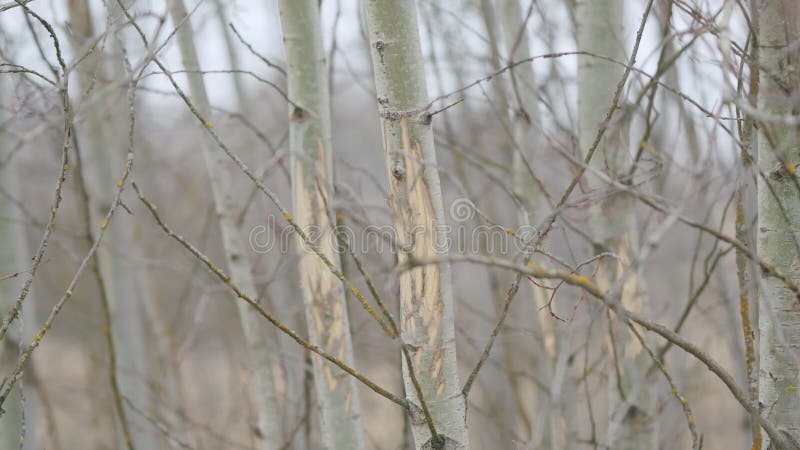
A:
[(380, 46), (299, 114), (398, 173)]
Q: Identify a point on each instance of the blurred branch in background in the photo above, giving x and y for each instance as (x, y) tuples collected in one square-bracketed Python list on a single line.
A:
[(618, 176)]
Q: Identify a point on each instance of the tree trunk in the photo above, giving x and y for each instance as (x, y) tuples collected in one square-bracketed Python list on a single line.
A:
[(747, 271), (14, 258), (632, 400), (426, 296), (259, 335), (524, 118), (524, 105), (599, 31), (311, 169), (233, 58), (779, 216), (103, 147)]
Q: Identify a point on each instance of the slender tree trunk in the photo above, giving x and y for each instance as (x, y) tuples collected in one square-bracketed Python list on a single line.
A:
[(426, 295), (779, 216), (259, 335), (632, 399), (519, 383), (14, 258), (170, 392), (524, 105), (746, 224), (599, 31), (311, 162), (11, 422), (443, 66), (102, 156), (281, 367), (233, 58), (524, 119), (491, 23)]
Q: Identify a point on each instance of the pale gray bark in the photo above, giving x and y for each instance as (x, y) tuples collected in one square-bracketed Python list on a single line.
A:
[(632, 400), (11, 423), (312, 185), (524, 105), (599, 31), (524, 119), (779, 217), (259, 335), (491, 24), (233, 57), (103, 145), (426, 297), (14, 258)]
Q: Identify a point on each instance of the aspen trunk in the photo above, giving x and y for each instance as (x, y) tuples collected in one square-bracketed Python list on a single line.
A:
[(311, 172), (519, 385), (233, 58), (524, 118), (14, 258), (599, 31), (259, 335), (11, 422), (443, 66), (524, 109), (103, 146), (747, 271), (779, 216), (426, 296), (632, 400)]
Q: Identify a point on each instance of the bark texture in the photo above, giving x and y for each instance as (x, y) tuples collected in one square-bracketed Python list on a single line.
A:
[(779, 217), (524, 118), (426, 296), (311, 169), (101, 138), (259, 335), (14, 258), (632, 401)]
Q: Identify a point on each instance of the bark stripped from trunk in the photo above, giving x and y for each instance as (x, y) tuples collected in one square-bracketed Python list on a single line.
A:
[(426, 299), (323, 293)]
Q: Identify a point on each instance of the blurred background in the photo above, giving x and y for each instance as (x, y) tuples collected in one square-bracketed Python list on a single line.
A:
[(185, 353)]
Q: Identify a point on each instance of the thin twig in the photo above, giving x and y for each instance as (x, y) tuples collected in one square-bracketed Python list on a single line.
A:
[(255, 304), (62, 176), (255, 53), (687, 411), (627, 317)]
